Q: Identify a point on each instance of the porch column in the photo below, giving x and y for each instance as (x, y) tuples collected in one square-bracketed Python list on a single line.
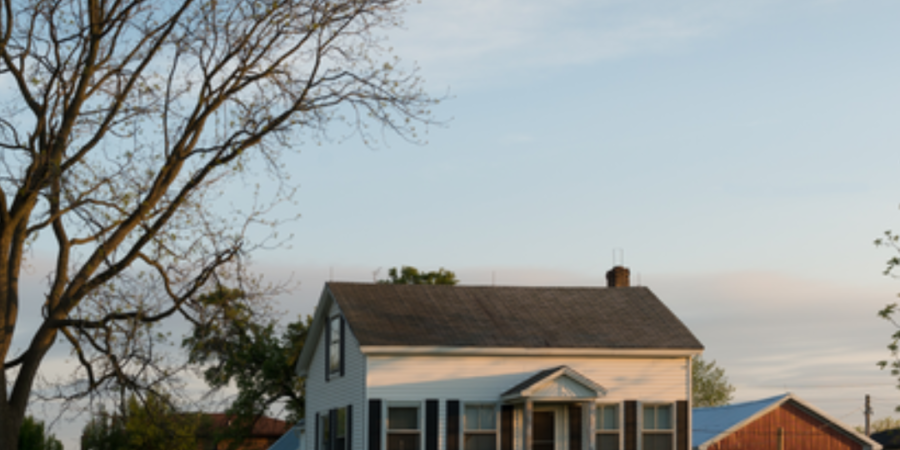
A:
[(529, 431), (588, 409)]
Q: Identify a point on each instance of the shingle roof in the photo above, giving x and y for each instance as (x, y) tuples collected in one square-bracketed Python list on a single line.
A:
[(521, 317)]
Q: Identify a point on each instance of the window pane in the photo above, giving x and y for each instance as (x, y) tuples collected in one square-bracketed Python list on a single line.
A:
[(664, 417), (608, 441), (326, 432), (487, 418), (403, 418), (341, 423), (609, 417), (471, 417), (480, 442), (403, 441), (658, 441), (334, 363), (649, 418)]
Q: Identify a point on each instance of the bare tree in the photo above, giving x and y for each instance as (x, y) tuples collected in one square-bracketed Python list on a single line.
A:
[(120, 123)]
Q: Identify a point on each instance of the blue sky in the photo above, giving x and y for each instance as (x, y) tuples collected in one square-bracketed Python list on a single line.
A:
[(743, 154)]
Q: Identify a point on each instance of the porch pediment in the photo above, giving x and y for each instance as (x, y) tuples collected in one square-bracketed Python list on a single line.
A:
[(558, 383)]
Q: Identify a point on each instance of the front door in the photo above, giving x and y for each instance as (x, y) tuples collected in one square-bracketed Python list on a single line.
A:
[(544, 431)]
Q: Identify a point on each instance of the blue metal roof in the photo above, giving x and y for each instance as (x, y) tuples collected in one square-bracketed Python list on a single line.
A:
[(291, 439), (710, 422)]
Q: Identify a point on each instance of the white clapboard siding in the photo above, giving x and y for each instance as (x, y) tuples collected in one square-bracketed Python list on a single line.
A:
[(475, 378), (322, 396)]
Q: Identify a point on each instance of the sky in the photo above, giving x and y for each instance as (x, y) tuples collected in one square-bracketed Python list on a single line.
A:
[(742, 155)]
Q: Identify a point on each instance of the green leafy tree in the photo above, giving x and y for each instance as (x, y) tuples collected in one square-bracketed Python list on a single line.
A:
[(411, 275), (709, 385), (149, 425), (125, 124), (34, 437), (246, 348)]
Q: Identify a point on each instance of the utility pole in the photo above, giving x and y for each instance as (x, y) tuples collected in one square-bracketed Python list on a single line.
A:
[(868, 413)]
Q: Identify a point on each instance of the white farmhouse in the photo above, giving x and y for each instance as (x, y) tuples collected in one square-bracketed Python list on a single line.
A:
[(422, 367)]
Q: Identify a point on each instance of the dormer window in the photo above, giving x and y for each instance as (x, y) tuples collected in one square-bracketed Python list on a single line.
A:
[(335, 346)]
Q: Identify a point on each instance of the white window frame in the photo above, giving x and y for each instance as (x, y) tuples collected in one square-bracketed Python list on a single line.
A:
[(644, 430), (619, 419), (463, 429), (386, 409)]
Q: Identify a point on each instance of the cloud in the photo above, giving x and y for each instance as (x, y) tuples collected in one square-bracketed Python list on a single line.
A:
[(472, 41)]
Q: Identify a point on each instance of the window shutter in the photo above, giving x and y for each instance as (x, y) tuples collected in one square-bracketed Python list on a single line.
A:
[(682, 427), (631, 430), (574, 427), (452, 424), (349, 435), (375, 424), (506, 427), (332, 429), (343, 345), (318, 443), (431, 424), (327, 349)]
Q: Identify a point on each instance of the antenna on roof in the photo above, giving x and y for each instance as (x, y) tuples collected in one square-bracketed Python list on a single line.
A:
[(375, 275)]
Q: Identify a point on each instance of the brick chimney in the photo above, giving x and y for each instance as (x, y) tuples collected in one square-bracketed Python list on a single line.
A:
[(618, 277)]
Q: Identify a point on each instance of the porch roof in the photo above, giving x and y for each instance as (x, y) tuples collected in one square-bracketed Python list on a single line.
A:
[(556, 383)]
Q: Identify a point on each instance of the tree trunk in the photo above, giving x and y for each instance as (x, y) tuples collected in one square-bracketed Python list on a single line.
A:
[(10, 423)]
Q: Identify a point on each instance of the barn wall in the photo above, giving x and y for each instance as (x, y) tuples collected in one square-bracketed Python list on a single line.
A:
[(802, 431)]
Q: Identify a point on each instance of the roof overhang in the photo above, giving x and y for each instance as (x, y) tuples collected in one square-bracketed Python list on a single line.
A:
[(523, 351), (315, 332)]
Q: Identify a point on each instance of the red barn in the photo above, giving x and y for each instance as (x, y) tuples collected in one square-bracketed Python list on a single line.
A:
[(779, 423)]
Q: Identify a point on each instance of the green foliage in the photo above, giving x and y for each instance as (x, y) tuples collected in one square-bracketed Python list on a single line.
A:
[(152, 425), (709, 385), (32, 436), (889, 312), (411, 275), (246, 348), (883, 424)]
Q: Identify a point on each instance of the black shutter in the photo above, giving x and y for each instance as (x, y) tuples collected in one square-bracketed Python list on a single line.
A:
[(332, 429), (343, 345), (327, 349), (431, 424), (349, 432), (317, 444), (506, 427), (452, 424), (574, 427), (374, 424), (682, 428), (631, 425)]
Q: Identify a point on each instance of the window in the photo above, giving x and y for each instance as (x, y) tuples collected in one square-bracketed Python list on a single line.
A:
[(334, 346), (340, 435), (325, 432), (480, 427), (403, 428), (607, 427), (657, 425), (332, 431)]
